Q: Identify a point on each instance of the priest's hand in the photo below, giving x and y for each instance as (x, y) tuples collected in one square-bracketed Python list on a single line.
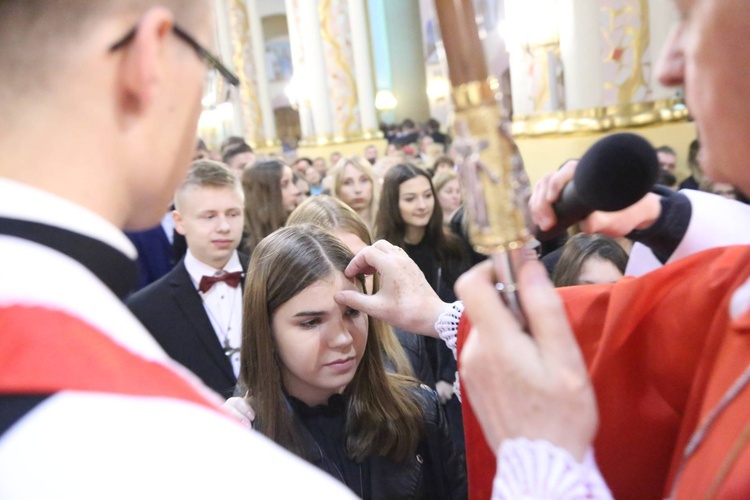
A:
[(405, 299), (525, 385), (547, 191)]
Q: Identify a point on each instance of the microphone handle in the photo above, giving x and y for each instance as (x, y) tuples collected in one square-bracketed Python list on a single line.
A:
[(569, 209)]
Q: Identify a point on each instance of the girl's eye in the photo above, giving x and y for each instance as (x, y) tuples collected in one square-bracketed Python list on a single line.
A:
[(310, 323), (353, 313)]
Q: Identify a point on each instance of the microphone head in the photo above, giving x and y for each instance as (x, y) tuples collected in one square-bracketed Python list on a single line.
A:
[(616, 172)]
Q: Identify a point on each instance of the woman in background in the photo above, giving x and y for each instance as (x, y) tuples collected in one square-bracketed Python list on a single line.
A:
[(270, 196), (354, 183), (409, 217), (448, 193)]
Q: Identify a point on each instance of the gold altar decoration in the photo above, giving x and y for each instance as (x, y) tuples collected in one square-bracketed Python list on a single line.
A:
[(597, 120)]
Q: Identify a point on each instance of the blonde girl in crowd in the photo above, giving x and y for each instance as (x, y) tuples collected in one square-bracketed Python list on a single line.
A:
[(354, 183)]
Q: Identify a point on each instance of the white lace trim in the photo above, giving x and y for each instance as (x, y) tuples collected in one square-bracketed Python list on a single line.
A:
[(447, 324), (447, 327), (538, 469)]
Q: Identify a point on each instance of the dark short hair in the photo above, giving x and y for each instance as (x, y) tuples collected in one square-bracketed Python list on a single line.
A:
[(230, 141), (666, 149), (408, 123), (234, 150)]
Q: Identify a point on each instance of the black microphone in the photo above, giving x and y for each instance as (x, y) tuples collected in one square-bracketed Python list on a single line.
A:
[(613, 174)]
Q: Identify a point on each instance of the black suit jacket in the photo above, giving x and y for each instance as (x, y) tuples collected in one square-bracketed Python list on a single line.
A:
[(172, 310)]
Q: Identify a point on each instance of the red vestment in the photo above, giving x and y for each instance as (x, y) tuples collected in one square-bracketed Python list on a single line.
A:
[(662, 351)]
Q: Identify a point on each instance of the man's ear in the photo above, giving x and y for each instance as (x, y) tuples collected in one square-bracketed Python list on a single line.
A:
[(177, 218), (145, 59)]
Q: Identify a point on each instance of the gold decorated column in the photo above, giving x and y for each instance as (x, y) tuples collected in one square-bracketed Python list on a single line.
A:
[(336, 34)]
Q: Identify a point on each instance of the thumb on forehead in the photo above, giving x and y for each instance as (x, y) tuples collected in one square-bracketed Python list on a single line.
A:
[(355, 300)]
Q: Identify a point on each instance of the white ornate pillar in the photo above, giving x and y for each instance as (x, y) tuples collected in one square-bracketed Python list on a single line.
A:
[(249, 62), (336, 35), (580, 51), (315, 78), (363, 67), (299, 97), (259, 56)]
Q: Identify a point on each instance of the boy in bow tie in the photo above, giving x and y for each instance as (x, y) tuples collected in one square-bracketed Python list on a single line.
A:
[(195, 311)]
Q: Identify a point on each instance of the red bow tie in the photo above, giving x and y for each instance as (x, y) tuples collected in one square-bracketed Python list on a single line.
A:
[(231, 279)]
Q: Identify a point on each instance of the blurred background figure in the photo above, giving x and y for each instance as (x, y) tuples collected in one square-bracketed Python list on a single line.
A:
[(590, 259), (270, 196), (301, 164), (314, 180), (443, 164), (238, 156), (321, 165), (201, 151), (302, 186), (667, 158), (696, 173), (433, 130), (448, 193), (354, 183), (371, 154), (335, 157)]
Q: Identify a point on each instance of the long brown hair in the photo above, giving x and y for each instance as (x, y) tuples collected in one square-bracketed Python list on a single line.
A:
[(331, 214), (264, 209), (391, 227), (383, 416)]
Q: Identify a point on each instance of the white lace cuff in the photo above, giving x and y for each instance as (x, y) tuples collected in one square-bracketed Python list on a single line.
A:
[(538, 469), (447, 327), (447, 324)]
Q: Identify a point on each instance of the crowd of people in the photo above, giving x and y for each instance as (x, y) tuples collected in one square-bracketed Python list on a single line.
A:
[(329, 305)]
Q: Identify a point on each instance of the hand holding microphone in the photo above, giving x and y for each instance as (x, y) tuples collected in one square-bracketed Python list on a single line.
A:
[(607, 190)]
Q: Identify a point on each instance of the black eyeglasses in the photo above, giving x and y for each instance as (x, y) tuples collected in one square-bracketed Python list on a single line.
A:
[(211, 60)]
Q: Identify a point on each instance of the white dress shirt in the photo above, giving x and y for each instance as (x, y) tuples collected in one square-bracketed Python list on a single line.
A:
[(222, 302)]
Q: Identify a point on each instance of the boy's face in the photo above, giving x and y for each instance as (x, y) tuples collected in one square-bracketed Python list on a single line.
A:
[(211, 219)]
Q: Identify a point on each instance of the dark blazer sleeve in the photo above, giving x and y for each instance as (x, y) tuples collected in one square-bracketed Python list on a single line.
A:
[(172, 311), (447, 470)]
